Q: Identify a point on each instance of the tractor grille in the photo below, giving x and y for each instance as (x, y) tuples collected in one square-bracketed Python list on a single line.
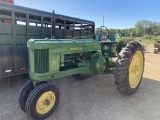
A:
[(41, 60)]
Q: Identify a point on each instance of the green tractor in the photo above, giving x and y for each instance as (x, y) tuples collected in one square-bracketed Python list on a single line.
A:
[(157, 47), (79, 57)]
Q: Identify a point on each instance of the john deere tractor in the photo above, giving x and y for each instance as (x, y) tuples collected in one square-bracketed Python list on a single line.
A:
[(78, 57), (157, 47)]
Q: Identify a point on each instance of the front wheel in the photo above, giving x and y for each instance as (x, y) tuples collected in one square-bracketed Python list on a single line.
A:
[(129, 68), (42, 101), (24, 93)]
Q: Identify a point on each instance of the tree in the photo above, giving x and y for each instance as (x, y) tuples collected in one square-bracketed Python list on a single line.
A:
[(142, 27), (133, 33), (118, 31)]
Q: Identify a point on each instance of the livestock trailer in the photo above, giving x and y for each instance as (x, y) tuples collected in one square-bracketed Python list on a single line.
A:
[(19, 24)]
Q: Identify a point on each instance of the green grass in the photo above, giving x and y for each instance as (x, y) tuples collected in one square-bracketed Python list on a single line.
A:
[(147, 41), (144, 41), (140, 40)]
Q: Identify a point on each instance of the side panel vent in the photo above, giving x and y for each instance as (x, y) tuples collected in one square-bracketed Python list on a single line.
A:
[(41, 60)]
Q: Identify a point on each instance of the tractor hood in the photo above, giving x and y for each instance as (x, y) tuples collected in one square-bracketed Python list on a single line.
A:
[(63, 44)]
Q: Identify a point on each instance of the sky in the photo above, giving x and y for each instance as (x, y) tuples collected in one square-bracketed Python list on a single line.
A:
[(118, 14)]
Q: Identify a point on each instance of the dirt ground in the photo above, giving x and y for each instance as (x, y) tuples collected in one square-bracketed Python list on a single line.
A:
[(152, 64)]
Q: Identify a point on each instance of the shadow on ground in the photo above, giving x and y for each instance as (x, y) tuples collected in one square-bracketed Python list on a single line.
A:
[(95, 98)]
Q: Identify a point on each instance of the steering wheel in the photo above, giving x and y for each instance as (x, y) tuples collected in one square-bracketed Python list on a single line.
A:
[(102, 33)]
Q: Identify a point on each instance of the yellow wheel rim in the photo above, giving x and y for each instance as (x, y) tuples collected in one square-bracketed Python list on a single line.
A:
[(45, 102), (136, 69)]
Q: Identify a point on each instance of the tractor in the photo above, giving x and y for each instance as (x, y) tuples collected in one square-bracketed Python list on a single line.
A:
[(157, 47), (78, 57)]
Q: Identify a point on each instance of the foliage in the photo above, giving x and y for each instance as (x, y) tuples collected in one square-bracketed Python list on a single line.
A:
[(126, 39), (147, 36), (155, 38), (146, 42), (143, 28)]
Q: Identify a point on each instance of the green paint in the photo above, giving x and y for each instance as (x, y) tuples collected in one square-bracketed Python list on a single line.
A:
[(56, 58)]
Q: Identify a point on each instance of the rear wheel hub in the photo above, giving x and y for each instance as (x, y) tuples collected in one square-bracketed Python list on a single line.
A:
[(136, 69)]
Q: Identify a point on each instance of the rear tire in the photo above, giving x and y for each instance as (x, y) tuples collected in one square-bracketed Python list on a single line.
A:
[(129, 68), (42, 101)]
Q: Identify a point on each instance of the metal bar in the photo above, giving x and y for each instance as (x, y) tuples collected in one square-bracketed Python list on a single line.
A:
[(73, 31), (36, 21), (14, 41), (0, 61), (20, 19), (88, 32), (53, 32), (34, 11), (81, 31), (42, 28), (27, 26), (64, 30), (5, 17)]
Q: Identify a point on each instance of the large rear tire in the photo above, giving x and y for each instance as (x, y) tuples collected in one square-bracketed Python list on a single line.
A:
[(129, 68)]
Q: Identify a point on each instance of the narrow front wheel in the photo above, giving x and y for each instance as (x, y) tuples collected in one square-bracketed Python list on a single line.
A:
[(42, 101), (24, 93)]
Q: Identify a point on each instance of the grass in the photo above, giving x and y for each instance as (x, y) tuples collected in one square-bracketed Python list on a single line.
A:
[(147, 41), (140, 40), (144, 41)]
